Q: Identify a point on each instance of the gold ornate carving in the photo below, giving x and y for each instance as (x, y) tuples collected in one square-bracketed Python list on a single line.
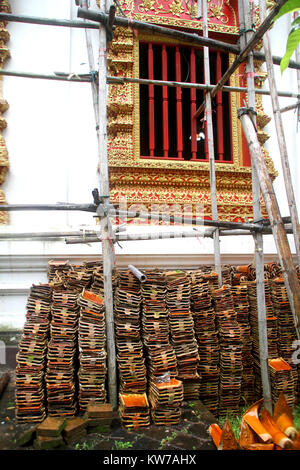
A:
[(4, 54), (146, 182)]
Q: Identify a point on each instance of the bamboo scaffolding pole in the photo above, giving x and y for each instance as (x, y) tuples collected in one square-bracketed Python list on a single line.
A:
[(101, 17), (211, 149), (281, 136), (45, 235), (48, 207), (186, 220), (103, 211), (197, 86), (166, 235), (61, 77), (80, 24), (88, 78), (256, 37), (91, 62), (143, 236), (279, 234), (244, 7), (289, 108)]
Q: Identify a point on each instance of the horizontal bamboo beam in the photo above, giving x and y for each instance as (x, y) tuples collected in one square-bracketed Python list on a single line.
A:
[(199, 86), (46, 21), (102, 18), (186, 220), (257, 36), (59, 77), (289, 108), (48, 207), (233, 48), (143, 236), (45, 235)]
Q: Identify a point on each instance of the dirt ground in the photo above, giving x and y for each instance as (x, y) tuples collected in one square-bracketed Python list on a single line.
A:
[(190, 434)]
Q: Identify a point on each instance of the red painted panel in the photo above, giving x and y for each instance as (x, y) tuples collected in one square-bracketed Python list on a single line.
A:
[(165, 111), (151, 101), (219, 103), (193, 105)]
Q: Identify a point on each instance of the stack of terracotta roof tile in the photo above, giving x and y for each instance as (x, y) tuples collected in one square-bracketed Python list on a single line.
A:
[(134, 410), (181, 322), (57, 268), (226, 274), (230, 351), (282, 380), (241, 305), (31, 358), (92, 353), (207, 338), (272, 329), (62, 353), (166, 398), (286, 326), (130, 357), (76, 279)]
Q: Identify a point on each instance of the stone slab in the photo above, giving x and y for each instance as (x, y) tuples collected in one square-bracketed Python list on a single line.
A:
[(44, 443)]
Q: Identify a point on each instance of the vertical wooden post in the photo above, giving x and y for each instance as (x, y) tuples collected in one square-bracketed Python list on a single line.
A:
[(103, 212), (245, 24), (280, 135), (297, 54), (211, 150)]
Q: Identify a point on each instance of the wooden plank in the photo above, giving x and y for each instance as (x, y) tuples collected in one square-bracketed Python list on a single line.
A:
[(103, 212), (244, 9), (211, 150)]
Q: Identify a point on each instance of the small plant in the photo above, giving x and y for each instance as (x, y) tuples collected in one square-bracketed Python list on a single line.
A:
[(167, 439), (119, 445)]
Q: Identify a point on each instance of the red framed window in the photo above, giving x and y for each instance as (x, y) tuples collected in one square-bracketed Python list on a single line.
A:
[(168, 129)]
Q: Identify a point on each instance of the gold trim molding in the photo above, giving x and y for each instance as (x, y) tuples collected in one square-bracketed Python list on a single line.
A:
[(147, 182), (4, 55)]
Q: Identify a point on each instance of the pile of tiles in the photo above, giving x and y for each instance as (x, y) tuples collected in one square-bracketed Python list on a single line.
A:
[(130, 356), (286, 325), (92, 349), (31, 358), (182, 331), (57, 269), (161, 357), (166, 398), (62, 351), (76, 279), (242, 307), (282, 380), (272, 329), (207, 338), (134, 410), (230, 351)]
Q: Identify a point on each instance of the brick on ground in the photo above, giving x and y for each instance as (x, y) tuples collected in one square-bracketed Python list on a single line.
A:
[(44, 443), (51, 427), (74, 430)]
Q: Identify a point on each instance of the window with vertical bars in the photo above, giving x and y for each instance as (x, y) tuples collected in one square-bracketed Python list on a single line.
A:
[(167, 127)]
